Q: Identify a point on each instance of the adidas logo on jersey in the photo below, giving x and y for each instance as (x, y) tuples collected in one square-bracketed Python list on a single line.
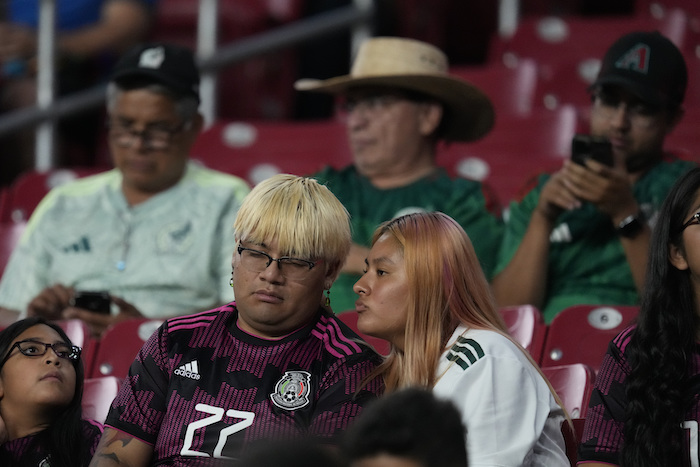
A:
[(189, 370)]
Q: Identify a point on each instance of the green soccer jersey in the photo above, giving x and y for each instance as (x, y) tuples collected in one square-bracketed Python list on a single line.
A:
[(462, 199), (587, 263)]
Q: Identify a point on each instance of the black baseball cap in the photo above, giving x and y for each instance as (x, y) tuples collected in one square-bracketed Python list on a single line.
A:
[(647, 64), (170, 65)]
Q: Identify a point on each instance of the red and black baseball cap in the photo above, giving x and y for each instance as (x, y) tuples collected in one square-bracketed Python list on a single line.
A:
[(170, 65), (648, 65)]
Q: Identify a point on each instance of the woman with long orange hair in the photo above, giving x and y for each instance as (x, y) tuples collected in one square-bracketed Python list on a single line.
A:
[(424, 291)]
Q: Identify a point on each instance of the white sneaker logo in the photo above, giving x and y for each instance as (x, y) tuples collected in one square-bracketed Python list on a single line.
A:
[(189, 370)]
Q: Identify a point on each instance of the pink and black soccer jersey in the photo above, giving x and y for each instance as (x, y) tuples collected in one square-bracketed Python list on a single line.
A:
[(201, 388), (603, 435), (30, 451)]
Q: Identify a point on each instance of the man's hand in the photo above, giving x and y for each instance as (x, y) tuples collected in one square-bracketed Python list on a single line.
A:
[(556, 196), (98, 322), (50, 302), (609, 189)]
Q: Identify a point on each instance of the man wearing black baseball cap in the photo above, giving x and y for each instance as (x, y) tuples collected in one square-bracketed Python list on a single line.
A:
[(169, 65), (581, 234), (155, 232)]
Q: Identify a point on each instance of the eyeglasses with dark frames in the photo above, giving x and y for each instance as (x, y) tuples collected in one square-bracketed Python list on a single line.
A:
[(155, 138), (693, 220), (34, 348), (291, 268)]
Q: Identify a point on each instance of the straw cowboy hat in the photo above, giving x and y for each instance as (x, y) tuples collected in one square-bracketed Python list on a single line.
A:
[(417, 66)]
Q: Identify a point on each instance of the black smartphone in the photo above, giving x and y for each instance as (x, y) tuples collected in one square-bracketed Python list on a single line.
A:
[(97, 302), (586, 146)]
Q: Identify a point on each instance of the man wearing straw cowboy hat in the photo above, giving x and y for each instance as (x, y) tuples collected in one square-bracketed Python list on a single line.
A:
[(399, 101)]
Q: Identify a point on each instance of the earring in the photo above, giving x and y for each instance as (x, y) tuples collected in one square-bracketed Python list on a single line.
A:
[(327, 303), (230, 282)]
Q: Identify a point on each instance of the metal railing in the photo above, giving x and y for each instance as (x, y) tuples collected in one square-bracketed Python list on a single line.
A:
[(356, 17)]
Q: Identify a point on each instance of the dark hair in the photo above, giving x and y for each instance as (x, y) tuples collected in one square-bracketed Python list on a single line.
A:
[(411, 423), (661, 348), (63, 439), (305, 452)]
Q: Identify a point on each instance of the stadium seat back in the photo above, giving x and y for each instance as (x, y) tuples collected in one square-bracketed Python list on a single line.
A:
[(79, 334), (258, 150), (515, 150), (119, 346), (98, 394), (572, 438), (553, 39), (581, 334), (28, 189), (526, 325), (573, 384), (568, 50), (510, 88)]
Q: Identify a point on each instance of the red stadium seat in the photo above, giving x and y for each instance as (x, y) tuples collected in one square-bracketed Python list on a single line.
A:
[(349, 317), (568, 50), (566, 83), (581, 334), (692, 94), (685, 138), (573, 384), (660, 7), (10, 232), (29, 189), (79, 334), (98, 394), (516, 149), (552, 39), (510, 88), (257, 150), (119, 345), (572, 438), (526, 325)]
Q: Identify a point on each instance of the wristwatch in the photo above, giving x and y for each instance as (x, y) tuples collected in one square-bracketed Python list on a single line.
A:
[(632, 225)]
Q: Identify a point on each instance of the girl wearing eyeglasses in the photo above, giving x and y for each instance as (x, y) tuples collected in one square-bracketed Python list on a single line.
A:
[(41, 387), (645, 408)]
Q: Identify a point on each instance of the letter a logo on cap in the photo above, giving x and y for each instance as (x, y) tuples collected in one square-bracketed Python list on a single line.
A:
[(152, 58), (635, 59)]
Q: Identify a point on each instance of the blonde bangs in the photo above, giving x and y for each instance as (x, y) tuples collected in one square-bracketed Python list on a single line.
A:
[(301, 215)]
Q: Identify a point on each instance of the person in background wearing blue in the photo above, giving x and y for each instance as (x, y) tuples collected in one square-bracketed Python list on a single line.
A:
[(90, 36)]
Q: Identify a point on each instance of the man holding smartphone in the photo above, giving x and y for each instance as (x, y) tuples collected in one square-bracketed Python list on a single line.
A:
[(156, 232), (581, 234)]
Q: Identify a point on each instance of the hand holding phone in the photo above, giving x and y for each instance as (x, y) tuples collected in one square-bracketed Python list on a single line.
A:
[(95, 301), (585, 146)]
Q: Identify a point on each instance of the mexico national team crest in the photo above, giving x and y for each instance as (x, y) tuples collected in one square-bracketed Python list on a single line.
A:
[(292, 390)]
